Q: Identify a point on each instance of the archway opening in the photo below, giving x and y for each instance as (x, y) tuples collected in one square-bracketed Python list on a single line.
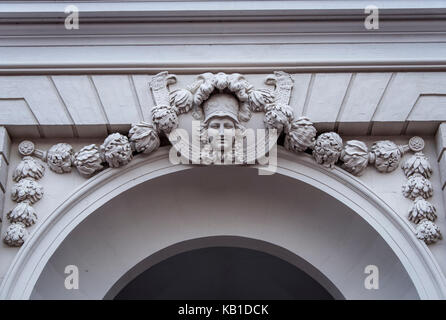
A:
[(222, 207), (227, 273)]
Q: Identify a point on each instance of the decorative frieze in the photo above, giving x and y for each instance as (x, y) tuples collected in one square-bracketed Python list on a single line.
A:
[(181, 100), (225, 101)]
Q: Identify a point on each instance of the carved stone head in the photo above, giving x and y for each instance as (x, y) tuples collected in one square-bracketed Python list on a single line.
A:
[(221, 121)]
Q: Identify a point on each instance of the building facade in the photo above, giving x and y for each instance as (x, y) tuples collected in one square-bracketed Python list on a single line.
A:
[(310, 131)]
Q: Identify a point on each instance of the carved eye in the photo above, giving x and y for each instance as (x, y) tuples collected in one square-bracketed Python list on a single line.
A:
[(215, 125), (229, 125)]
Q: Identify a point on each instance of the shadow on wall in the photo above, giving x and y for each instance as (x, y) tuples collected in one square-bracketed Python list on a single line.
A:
[(223, 273)]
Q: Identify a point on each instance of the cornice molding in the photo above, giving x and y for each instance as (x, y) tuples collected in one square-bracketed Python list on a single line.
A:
[(246, 36), (112, 11)]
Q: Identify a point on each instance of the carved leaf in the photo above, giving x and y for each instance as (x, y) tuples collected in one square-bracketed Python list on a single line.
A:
[(181, 100), (239, 86), (258, 99)]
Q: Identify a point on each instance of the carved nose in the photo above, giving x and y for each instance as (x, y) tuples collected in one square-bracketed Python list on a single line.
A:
[(222, 131)]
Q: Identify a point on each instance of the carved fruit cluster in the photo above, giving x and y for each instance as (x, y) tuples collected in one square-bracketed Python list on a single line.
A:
[(117, 150), (88, 160), (327, 149), (16, 235), (143, 137), (418, 188), (25, 191), (428, 231), (355, 157), (59, 157)]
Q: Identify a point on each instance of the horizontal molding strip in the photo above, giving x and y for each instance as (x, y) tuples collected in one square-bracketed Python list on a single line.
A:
[(121, 68)]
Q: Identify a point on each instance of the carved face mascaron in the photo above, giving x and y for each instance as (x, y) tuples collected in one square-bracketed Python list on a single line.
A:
[(221, 133), (221, 120)]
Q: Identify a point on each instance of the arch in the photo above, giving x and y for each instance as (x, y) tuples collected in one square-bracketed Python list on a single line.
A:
[(225, 241), (396, 232)]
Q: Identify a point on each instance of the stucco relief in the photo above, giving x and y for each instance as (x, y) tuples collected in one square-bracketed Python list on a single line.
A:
[(355, 157), (418, 188), (144, 138), (215, 98), (23, 213), (26, 191), (60, 157), (224, 105), (16, 235), (88, 160), (29, 167), (117, 150), (301, 135), (327, 149), (428, 232)]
